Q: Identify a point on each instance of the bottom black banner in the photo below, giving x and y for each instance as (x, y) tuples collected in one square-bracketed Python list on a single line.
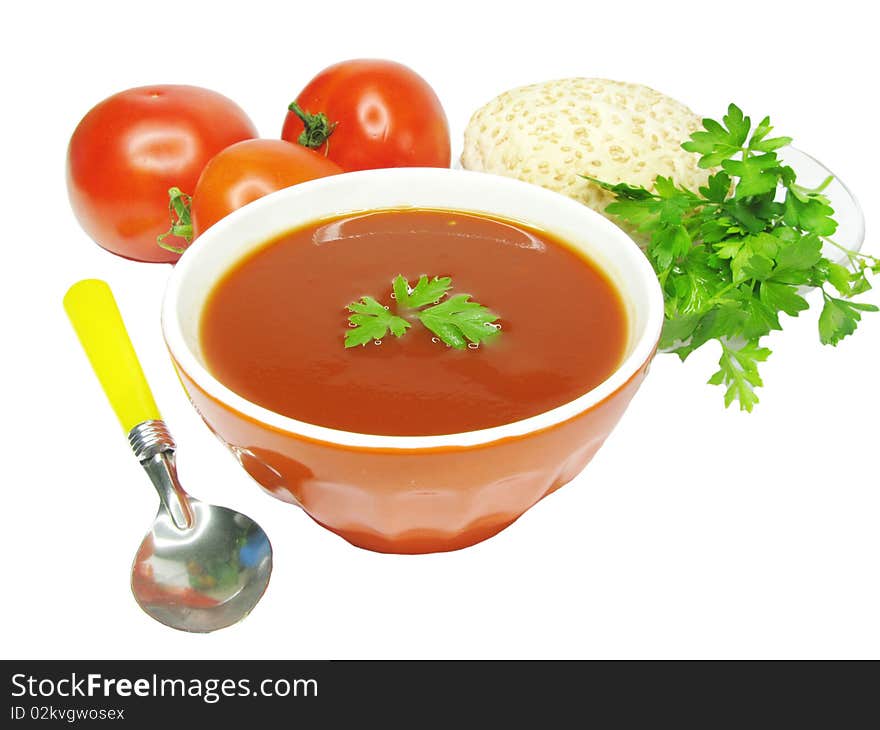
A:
[(414, 693)]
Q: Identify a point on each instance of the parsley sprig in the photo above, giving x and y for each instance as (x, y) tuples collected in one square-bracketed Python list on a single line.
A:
[(736, 254), (457, 321), (371, 321)]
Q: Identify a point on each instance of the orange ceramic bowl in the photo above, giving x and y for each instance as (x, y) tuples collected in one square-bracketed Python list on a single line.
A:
[(412, 494)]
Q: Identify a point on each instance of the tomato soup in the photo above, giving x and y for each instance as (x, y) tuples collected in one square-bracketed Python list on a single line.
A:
[(273, 328)]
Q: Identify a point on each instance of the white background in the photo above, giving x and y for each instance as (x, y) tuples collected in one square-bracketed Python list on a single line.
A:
[(695, 532)]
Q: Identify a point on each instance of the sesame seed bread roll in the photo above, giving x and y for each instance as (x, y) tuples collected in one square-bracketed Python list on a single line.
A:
[(551, 133)]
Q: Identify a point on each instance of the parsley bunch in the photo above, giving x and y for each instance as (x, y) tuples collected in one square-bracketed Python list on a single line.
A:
[(735, 254), (456, 321)]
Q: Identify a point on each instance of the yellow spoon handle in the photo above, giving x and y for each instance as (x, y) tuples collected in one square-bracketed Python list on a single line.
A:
[(98, 323)]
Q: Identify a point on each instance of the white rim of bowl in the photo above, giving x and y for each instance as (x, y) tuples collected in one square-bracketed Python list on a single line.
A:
[(642, 349)]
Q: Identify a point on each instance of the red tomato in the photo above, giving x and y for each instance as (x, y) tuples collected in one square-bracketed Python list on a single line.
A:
[(249, 170), (131, 148), (378, 114)]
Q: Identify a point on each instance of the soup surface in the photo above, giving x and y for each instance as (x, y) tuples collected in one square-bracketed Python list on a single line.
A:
[(273, 328)]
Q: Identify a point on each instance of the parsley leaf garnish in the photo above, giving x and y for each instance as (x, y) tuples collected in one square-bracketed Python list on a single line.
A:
[(456, 321), (371, 321), (459, 320), (735, 255), (426, 291)]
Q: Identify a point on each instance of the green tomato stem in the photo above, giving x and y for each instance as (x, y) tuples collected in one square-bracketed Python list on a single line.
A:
[(317, 128), (180, 209)]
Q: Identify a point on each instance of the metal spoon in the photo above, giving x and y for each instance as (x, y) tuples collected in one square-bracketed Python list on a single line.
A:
[(200, 567)]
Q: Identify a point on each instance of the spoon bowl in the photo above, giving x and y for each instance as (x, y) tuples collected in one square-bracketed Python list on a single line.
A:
[(203, 578)]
